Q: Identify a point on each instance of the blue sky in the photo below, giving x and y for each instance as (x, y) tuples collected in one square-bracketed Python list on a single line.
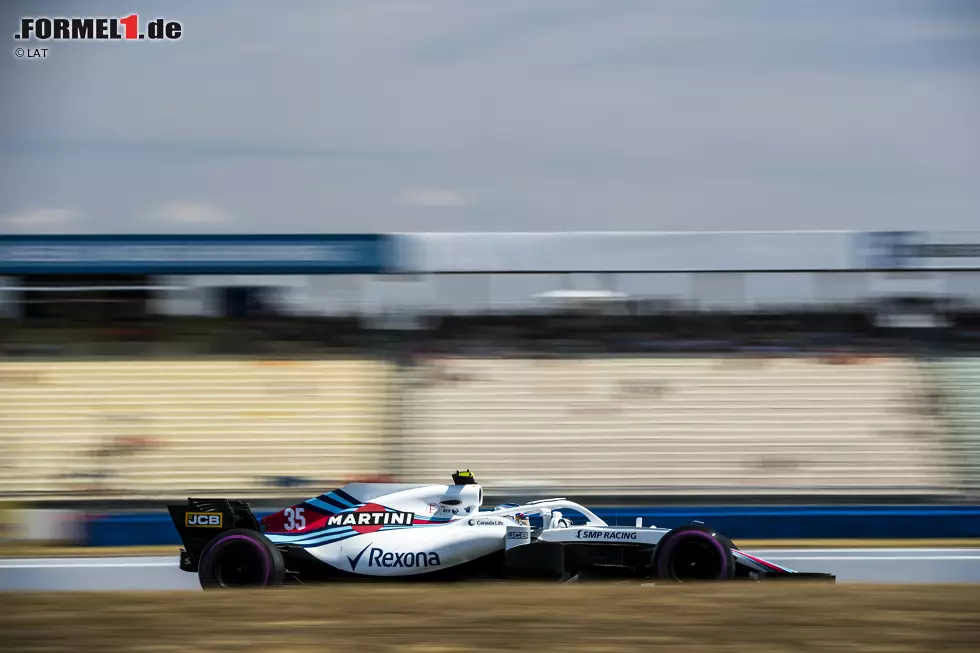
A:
[(465, 115)]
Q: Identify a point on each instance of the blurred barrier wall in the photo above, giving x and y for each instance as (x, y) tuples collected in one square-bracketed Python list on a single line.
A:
[(155, 429), (645, 425), (959, 384), (779, 522), (601, 426)]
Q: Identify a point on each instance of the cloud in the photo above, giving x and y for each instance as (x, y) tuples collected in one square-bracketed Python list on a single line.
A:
[(434, 198), (571, 114), (191, 213), (41, 217)]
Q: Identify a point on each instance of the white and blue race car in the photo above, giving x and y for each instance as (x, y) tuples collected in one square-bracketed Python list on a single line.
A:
[(386, 531)]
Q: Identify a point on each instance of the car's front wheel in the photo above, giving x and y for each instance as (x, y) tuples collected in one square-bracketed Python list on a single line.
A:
[(693, 553), (241, 558)]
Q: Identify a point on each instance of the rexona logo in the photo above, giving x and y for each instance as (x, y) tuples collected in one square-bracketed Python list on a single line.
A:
[(371, 517), (605, 535), (379, 558), (389, 560), (206, 519)]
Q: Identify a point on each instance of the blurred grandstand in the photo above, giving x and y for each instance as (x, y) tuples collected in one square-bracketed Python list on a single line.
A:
[(613, 396)]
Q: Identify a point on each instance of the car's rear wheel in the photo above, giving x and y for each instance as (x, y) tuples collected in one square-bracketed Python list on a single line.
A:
[(241, 558), (693, 553)]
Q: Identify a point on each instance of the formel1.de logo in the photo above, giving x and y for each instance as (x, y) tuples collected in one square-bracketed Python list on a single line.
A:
[(103, 28)]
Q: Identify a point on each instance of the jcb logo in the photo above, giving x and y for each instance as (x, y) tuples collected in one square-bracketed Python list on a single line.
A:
[(206, 519)]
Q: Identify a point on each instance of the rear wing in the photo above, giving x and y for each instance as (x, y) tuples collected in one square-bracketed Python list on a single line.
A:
[(199, 520)]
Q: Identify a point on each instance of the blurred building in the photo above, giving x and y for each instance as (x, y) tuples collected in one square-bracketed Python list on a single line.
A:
[(454, 274)]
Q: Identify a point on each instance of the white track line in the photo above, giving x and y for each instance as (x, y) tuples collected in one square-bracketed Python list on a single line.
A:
[(867, 550), (782, 558), (89, 565), (766, 554)]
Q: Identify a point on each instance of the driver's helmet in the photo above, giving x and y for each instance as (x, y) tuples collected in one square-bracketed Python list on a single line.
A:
[(522, 519)]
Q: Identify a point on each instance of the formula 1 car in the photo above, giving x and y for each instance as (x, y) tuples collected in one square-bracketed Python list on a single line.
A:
[(390, 531)]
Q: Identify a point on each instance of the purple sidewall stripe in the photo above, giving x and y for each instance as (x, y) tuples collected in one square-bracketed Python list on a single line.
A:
[(266, 562), (662, 566)]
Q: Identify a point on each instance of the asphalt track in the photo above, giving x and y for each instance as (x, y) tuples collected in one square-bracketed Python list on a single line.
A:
[(919, 565)]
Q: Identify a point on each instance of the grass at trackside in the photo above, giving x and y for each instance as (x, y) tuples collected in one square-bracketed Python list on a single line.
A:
[(762, 618), (42, 551)]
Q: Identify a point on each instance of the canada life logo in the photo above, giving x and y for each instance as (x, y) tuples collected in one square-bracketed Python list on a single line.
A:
[(97, 28)]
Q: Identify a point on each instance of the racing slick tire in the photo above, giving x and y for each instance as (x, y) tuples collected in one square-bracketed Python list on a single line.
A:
[(693, 553), (241, 558)]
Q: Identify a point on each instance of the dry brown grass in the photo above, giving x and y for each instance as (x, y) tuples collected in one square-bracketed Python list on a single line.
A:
[(494, 617)]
